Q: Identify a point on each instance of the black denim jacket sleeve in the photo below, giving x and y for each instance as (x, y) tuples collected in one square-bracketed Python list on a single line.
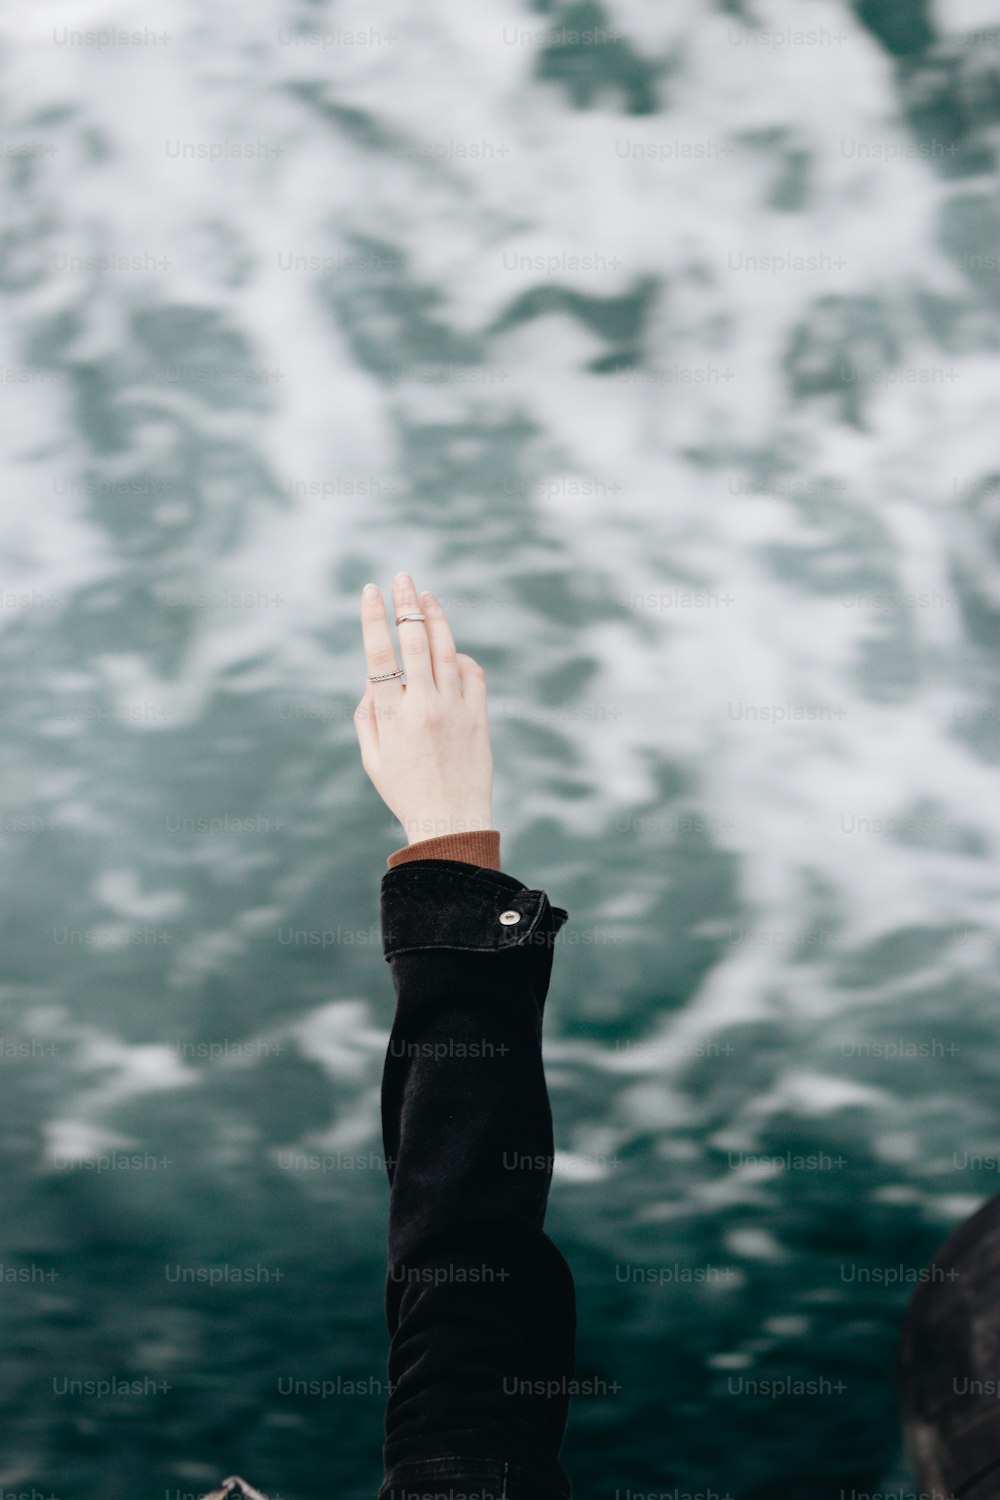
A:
[(480, 1305)]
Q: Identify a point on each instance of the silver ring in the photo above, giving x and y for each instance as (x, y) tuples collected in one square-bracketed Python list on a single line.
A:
[(415, 616), (388, 676)]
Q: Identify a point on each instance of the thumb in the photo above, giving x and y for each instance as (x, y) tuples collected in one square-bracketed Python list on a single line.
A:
[(472, 674)]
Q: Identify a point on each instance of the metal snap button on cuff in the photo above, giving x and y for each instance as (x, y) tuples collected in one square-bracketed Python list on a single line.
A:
[(508, 918)]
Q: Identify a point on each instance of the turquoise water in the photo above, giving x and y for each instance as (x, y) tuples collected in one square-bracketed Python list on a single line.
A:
[(661, 342)]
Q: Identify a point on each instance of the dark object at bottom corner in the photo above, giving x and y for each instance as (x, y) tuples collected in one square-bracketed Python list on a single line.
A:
[(948, 1366)]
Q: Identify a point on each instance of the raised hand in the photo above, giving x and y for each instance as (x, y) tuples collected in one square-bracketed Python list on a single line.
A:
[(426, 745)]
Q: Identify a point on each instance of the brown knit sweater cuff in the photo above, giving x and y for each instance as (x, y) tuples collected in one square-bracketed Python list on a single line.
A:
[(481, 848)]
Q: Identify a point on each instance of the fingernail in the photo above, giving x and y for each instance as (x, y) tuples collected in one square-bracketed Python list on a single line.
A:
[(370, 590)]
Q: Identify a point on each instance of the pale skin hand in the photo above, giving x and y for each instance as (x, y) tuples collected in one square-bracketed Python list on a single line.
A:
[(425, 747)]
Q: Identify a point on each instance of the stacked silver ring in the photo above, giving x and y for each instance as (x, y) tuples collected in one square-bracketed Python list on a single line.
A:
[(400, 671)]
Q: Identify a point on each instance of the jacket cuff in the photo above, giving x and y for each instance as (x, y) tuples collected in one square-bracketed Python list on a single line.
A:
[(443, 903), (480, 847)]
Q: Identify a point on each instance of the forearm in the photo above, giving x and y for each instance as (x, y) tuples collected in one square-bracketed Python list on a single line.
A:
[(479, 1302)]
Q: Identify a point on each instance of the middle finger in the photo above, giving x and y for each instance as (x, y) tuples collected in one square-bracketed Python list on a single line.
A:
[(412, 636)]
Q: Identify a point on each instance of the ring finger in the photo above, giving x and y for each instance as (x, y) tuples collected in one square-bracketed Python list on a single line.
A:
[(380, 653)]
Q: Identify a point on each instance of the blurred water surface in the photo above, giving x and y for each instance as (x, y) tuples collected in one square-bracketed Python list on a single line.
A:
[(661, 341)]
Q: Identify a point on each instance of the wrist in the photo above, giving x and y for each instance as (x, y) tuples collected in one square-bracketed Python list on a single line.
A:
[(419, 829)]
